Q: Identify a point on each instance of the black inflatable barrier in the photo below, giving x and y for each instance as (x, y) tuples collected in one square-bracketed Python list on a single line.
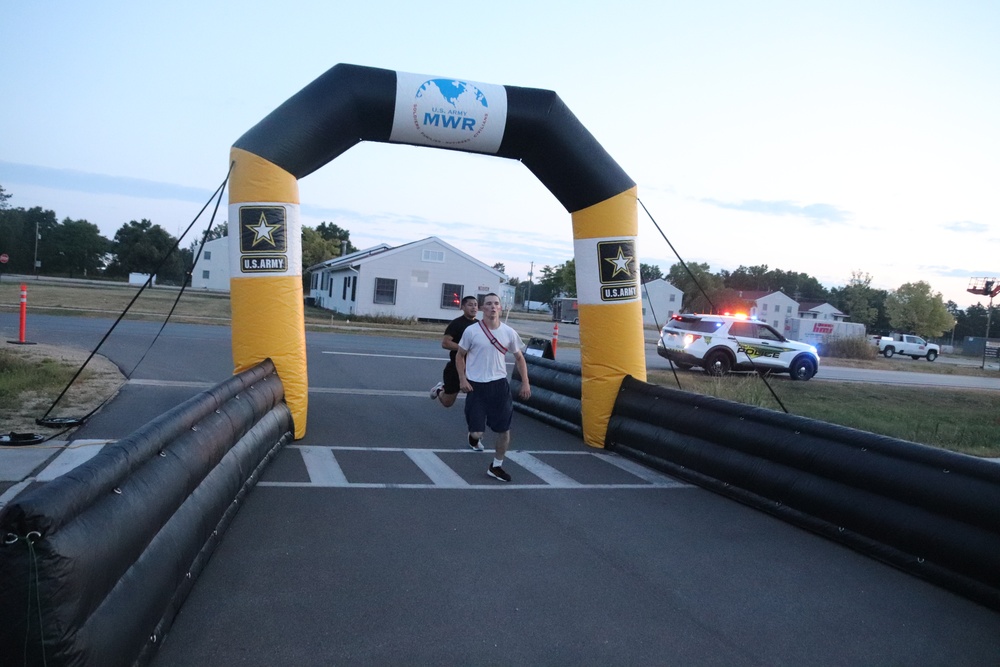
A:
[(96, 563), (931, 512), (555, 393), (540, 347)]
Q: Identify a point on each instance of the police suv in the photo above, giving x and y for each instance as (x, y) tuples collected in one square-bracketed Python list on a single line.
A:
[(722, 343)]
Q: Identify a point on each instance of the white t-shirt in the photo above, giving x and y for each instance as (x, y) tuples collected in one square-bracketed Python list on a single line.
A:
[(485, 363)]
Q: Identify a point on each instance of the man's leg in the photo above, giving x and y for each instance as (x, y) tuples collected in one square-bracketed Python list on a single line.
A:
[(502, 443), (500, 413), (447, 390), (475, 418)]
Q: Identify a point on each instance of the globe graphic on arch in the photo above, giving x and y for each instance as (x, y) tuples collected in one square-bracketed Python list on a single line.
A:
[(457, 94)]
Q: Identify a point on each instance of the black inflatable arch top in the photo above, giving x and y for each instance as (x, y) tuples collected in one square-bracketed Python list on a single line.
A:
[(350, 104)]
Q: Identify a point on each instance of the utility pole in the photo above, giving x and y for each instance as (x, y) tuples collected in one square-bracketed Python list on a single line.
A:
[(35, 267), (531, 272), (986, 287)]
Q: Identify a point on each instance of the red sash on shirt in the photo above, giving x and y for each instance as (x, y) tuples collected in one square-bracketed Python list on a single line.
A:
[(493, 339)]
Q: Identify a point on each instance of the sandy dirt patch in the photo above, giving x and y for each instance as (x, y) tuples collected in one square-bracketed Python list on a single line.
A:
[(99, 381)]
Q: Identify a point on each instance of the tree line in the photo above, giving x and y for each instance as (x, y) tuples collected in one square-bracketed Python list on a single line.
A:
[(35, 241), (912, 307), (76, 248)]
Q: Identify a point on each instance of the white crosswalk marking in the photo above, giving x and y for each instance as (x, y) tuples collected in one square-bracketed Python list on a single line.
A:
[(322, 466), (543, 471), (325, 472), (436, 469), (642, 472)]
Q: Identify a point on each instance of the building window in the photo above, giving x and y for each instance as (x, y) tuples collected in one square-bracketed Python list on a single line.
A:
[(672, 297), (789, 310), (451, 295), (764, 308), (433, 256), (204, 275), (208, 254), (347, 283), (385, 291)]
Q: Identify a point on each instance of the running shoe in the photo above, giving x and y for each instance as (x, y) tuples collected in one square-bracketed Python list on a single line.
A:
[(498, 473)]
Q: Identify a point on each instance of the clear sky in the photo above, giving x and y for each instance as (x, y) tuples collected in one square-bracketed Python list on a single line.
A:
[(817, 137)]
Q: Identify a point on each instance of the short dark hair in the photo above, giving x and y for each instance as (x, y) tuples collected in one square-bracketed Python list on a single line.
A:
[(470, 298), (486, 296)]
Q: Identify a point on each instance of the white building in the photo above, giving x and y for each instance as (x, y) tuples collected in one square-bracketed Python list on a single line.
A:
[(212, 269), (771, 307), (821, 311), (660, 301), (425, 279)]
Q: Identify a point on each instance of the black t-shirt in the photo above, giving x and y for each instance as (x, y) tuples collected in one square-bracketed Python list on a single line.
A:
[(456, 328)]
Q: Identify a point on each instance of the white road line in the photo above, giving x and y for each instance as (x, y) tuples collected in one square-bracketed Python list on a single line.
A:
[(10, 493), (322, 466), (628, 465), (437, 450), (393, 356), (489, 486), (387, 356), (422, 393), (543, 471), (436, 469), (170, 383), (371, 392), (81, 452)]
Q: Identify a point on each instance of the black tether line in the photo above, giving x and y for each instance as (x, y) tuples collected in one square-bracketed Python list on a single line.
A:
[(657, 323), (677, 254), (702, 290), (217, 195)]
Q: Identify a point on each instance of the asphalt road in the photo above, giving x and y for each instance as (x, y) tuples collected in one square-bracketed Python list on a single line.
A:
[(378, 539), (211, 360)]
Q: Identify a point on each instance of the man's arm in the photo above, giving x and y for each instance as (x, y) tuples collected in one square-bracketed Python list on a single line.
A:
[(463, 382), (449, 343), (522, 368)]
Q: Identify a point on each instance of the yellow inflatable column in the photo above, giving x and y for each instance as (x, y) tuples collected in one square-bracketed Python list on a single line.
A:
[(607, 283), (265, 260)]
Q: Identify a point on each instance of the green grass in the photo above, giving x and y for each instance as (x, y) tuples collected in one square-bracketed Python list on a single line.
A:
[(961, 420), (18, 376)]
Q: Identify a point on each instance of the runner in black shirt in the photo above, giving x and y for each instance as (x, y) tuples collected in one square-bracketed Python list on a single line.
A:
[(447, 390)]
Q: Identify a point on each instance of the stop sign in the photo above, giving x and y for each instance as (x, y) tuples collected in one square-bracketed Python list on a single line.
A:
[(4, 258)]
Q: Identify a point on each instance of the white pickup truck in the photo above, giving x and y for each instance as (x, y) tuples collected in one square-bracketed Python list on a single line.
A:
[(908, 344)]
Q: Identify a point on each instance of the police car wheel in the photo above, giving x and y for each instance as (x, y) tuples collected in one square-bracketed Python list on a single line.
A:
[(802, 369), (717, 363)]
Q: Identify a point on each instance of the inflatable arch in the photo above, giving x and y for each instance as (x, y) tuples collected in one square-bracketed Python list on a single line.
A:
[(349, 104)]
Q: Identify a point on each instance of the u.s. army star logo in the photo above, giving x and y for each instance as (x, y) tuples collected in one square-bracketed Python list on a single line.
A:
[(619, 277), (263, 229)]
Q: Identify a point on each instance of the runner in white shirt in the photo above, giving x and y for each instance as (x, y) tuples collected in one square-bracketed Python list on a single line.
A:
[(482, 373)]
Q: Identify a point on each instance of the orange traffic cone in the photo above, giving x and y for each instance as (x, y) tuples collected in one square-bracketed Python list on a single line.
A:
[(555, 338)]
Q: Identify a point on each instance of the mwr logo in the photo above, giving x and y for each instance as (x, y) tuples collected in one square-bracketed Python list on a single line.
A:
[(823, 328), (619, 278), (263, 229), (269, 264), (450, 112)]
